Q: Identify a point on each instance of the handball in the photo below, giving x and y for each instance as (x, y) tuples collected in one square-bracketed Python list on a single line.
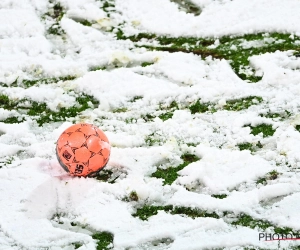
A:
[(83, 149)]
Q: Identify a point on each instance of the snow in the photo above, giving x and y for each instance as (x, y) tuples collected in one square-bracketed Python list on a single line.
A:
[(35, 190), (232, 168), (218, 18), (29, 25)]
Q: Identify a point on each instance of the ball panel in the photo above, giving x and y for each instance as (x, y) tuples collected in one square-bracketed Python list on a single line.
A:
[(96, 162), (105, 161), (62, 140), (105, 145), (82, 154), (88, 130), (105, 150), (93, 144), (76, 140)]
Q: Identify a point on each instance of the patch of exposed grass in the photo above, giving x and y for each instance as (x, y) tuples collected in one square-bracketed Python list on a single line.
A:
[(6, 103), (120, 110), (116, 64), (57, 217), (56, 29), (265, 129), (152, 139), (166, 116), (233, 49), (85, 99), (54, 15), (170, 174), (28, 83), (271, 115), (262, 180), (245, 146), (157, 243), (135, 98), (42, 114), (183, 42), (282, 115), (148, 118), (243, 103), (247, 221), (173, 105), (6, 161), (237, 50), (4, 100), (254, 248), (163, 116), (203, 52), (45, 115), (130, 120), (104, 240), (133, 196), (170, 110), (57, 11), (188, 7), (273, 175), (13, 119), (199, 107), (249, 146), (170, 107), (136, 38), (195, 45), (84, 22), (219, 196), (284, 230), (189, 158), (108, 7), (97, 68), (77, 245), (104, 175), (274, 115), (147, 211), (145, 64)]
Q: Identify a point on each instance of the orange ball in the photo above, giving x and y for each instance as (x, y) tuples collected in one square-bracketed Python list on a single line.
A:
[(83, 149)]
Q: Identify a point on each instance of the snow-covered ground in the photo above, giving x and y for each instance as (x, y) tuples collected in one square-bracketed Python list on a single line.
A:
[(42, 207)]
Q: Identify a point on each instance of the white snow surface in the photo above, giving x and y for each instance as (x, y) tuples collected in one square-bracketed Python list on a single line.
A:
[(218, 18), (34, 189)]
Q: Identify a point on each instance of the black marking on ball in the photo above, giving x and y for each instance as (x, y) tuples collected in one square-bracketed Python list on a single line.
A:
[(79, 168), (66, 155)]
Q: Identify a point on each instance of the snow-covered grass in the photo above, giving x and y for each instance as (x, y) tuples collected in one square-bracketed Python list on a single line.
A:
[(199, 100)]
